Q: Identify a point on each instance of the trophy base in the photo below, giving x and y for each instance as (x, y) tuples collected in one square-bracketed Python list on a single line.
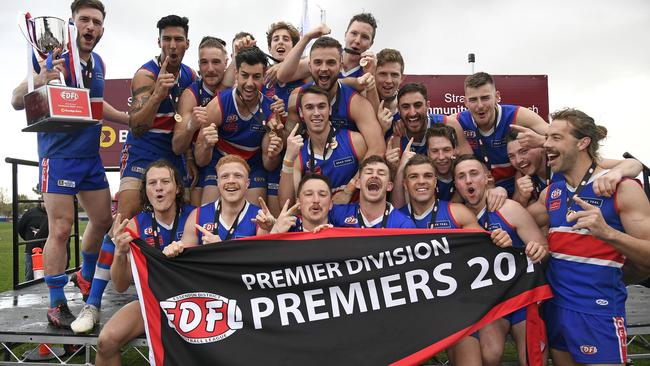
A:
[(58, 108), (54, 124)]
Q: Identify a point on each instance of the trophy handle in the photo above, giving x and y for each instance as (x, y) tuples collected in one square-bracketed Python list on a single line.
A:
[(23, 18)]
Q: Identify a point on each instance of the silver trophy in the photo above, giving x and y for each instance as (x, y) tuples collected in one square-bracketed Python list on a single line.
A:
[(53, 108), (46, 34)]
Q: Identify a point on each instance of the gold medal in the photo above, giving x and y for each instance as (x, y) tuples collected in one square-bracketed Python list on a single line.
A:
[(178, 118), (334, 144), (363, 62), (569, 212)]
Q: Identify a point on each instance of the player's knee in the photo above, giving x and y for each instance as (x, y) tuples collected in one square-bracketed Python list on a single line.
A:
[(128, 204), (491, 353), (103, 222), (59, 229), (109, 342)]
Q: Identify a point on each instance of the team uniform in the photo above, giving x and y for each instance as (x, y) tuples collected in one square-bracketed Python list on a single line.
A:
[(492, 146), (282, 91), (70, 161), (147, 230), (156, 143), (445, 188), (340, 114), (492, 220), (202, 96), (207, 216), (420, 147), (587, 315), (340, 165), (241, 136), (354, 72), (443, 218), (350, 216)]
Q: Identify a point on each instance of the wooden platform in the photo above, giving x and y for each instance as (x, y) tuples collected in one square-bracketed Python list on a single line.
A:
[(23, 320)]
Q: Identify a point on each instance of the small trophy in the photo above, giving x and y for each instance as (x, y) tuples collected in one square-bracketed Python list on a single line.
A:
[(52, 107)]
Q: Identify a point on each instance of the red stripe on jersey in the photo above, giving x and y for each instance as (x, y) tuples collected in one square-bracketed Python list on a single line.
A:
[(226, 147), (164, 123), (500, 173), (97, 109), (514, 117), (583, 245)]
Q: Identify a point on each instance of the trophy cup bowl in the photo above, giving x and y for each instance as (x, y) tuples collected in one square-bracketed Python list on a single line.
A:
[(49, 34), (53, 108)]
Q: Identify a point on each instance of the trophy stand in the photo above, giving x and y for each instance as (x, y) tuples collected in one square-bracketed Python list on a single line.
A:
[(54, 108)]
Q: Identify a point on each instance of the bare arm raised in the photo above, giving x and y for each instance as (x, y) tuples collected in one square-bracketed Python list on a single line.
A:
[(148, 92), (293, 67)]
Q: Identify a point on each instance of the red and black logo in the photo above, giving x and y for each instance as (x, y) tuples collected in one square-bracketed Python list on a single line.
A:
[(202, 317)]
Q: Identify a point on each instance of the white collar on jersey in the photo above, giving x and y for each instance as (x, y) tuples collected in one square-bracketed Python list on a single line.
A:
[(482, 212), (424, 214), (347, 73), (491, 131), (253, 112), (241, 217), (376, 221)]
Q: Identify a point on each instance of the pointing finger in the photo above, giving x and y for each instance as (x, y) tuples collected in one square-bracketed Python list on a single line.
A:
[(293, 132), (285, 207), (391, 139), (408, 146), (585, 206), (294, 209), (202, 230), (163, 67), (519, 128), (265, 208)]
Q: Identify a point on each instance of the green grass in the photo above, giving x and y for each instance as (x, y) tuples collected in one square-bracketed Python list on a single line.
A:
[(131, 358), (6, 256)]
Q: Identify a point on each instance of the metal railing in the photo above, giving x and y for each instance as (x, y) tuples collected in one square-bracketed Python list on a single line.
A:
[(17, 242)]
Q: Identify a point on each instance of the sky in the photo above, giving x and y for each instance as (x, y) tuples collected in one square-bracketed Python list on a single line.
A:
[(594, 52)]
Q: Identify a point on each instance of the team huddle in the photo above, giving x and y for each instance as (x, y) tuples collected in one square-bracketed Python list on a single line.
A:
[(273, 142)]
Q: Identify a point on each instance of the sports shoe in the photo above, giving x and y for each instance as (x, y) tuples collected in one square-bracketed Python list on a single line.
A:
[(86, 320), (82, 284), (60, 316)]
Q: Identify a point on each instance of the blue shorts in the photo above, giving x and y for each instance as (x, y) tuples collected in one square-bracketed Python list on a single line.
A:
[(273, 181), (134, 162), (69, 176), (257, 174), (589, 338), (207, 176), (516, 316)]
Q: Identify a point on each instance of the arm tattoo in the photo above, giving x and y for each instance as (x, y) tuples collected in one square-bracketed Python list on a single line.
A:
[(140, 90), (138, 129), (138, 104)]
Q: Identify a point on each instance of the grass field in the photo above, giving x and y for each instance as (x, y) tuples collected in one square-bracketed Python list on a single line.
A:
[(131, 359)]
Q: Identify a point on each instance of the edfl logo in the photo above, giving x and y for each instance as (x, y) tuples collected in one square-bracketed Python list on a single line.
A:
[(202, 317)]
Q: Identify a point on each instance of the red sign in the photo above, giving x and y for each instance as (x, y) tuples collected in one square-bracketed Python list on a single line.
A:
[(69, 102), (446, 96)]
